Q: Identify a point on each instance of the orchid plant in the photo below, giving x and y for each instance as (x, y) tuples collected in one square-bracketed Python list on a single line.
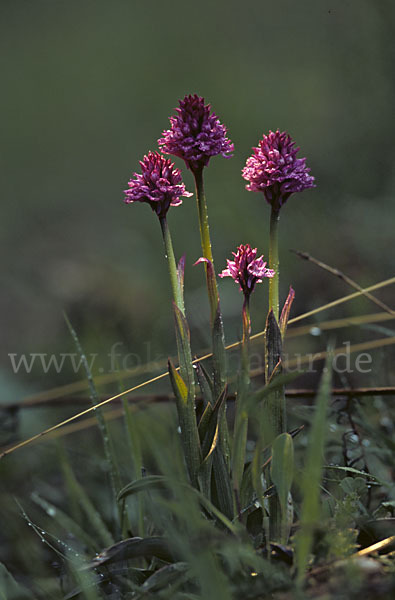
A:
[(214, 448)]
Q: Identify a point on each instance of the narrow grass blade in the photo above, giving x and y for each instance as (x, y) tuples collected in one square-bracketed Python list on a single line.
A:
[(239, 439), (65, 521), (178, 572), (278, 382), (86, 582), (10, 589), (77, 492), (160, 482), (312, 475), (135, 457), (107, 443), (133, 548), (282, 472)]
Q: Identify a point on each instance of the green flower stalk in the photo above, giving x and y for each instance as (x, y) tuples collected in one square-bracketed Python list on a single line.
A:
[(274, 170), (160, 185), (274, 263), (205, 240), (196, 135), (183, 383), (241, 416), (247, 270)]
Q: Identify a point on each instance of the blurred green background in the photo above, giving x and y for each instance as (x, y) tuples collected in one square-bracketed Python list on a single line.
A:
[(87, 88)]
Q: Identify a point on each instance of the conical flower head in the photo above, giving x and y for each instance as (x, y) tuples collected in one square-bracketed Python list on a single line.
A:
[(195, 134), (246, 269), (274, 169), (159, 184)]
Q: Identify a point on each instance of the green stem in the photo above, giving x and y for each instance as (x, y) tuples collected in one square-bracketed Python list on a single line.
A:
[(186, 404), (275, 414), (241, 417), (246, 324), (205, 236), (219, 356), (274, 263), (221, 459), (171, 261)]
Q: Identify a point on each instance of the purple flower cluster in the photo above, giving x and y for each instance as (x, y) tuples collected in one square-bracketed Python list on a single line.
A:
[(246, 269), (274, 169), (159, 184), (196, 134)]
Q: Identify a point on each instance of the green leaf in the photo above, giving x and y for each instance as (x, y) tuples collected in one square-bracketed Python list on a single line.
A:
[(204, 422), (178, 384), (160, 482), (180, 274), (240, 430), (350, 485), (277, 383), (273, 344), (282, 467), (205, 384), (162, 578), (223, 483), (209, 436), (256, 471), (131, 548), (184, 350), (351, 470), (209, 423), (188, 425), (221, 453), (311, 481), (282, 472), (286, 310), (274, 418), (80, 497), (219, 354), (106, 438), (65, 521), (10, 589)]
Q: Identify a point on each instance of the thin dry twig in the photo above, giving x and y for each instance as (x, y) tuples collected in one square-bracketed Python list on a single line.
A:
[(160, 398), (337, 273), (339, 323), (377, 547)]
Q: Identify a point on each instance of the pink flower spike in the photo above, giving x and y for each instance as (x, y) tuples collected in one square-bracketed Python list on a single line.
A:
[(246, 269), (274, 169), (160, 184), (196, 134)]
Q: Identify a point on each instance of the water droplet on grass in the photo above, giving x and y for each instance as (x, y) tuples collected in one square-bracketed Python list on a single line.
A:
[(315, 331)]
